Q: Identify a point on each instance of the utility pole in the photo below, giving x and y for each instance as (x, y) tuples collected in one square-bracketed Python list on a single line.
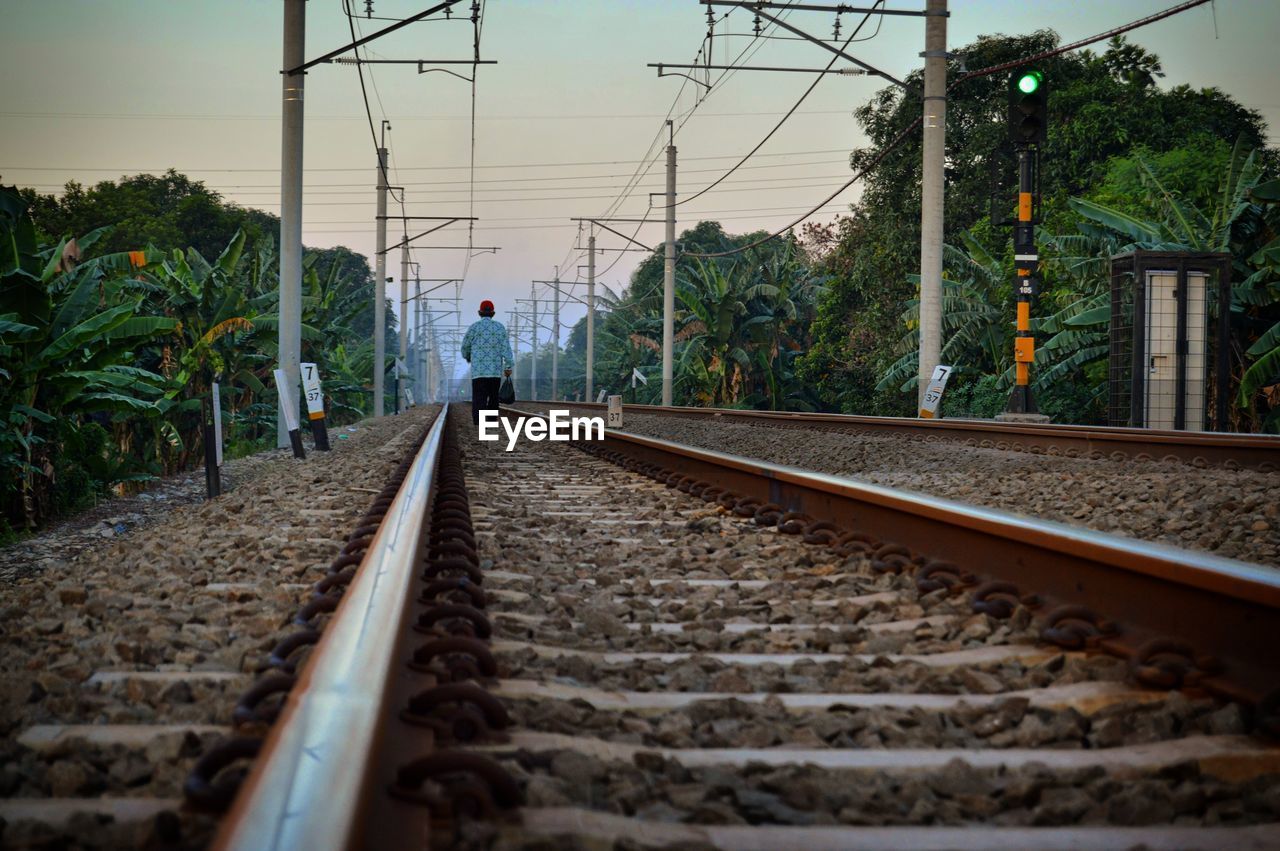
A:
[(419, 331), (555, 339), (380, 282), (432, 354), (591, 282), (513, 328), (419, 374), (669, 273), (289, 331), (533, 370), (932, 190), (591, 315), (404, 325), (935, 15)]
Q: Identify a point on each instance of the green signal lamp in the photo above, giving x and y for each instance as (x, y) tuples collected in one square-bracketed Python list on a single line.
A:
[(1028, 106)]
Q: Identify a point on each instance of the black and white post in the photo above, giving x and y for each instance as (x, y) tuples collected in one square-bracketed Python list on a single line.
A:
[(315, 405), (290, 409), (211, 426)]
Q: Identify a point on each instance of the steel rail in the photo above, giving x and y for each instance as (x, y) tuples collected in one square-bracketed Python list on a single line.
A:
[(1214, 448), (1223, 613), (321, 779)]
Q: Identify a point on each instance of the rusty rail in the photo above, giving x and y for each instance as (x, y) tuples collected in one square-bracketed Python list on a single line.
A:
[(1181, 618), (343, 765), (1253, 451), (312, 785)]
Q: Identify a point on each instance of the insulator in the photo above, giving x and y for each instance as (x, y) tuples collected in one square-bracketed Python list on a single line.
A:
[(835, 31), (755, 25), (368, 8)]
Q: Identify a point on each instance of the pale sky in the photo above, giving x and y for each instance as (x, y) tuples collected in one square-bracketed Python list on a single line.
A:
[(97, 89)]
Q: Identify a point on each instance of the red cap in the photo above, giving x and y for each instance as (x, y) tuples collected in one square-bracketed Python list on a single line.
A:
[(486, 306)]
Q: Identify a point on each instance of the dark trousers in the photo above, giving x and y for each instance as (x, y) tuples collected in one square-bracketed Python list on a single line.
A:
[(484, 396)]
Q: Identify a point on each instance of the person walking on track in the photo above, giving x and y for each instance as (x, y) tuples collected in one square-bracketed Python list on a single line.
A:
[(488, 349)]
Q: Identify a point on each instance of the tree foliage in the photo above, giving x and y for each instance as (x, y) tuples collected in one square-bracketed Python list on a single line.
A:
[(1103, 110), (740, 324), (114, 322)]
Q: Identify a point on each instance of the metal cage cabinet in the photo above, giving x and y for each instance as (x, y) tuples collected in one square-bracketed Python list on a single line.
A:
[(1169, 333)]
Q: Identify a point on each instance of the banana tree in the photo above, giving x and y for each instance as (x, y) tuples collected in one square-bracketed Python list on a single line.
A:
[(217, 338), (977, 327), (1257, 299), (715, 334), (1235, 224), (67, 336), (788, 290)]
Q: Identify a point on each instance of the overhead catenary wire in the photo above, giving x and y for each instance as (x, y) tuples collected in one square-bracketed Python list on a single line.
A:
[(276, 169), (209, 116), (982, 72), (404, 212), (477, 22), (237, 195), (724, 75), (651, 155), (514, 200), (364, 93), (476, 18), (319, 188), (560, 219), (817, 79)]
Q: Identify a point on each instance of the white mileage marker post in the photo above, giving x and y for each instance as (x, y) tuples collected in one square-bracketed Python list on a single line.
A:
[(217, 425), (933, 393), (315, 405), (614, 419), (290, 408), (211, 434)]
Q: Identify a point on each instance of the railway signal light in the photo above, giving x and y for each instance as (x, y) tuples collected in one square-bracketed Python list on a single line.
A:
[(1028, 107)]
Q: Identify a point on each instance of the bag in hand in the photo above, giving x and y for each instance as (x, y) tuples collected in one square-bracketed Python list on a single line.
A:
[(506, 391)]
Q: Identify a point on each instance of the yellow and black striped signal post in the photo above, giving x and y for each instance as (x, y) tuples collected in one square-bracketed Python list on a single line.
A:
[(1028, 97), (1027, 264)]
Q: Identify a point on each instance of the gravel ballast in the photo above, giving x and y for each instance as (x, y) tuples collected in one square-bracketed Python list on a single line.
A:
[(166, 623), (584, 560)]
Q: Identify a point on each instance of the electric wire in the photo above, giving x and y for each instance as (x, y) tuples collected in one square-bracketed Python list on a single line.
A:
[(755, 43), (364, 93), (242, 196), (320, 188), (476, 24), (626, 193), (981, 72), (276, 169), (554, 197), (816, 80), (169, 116)]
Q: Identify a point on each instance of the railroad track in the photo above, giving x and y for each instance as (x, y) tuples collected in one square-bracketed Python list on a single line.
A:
[(720, 681), (1226, 512), (121, 668), (1202, 449), (738, 655)]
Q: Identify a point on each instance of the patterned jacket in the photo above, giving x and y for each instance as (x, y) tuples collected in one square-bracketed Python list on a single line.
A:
[(487, 348)]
